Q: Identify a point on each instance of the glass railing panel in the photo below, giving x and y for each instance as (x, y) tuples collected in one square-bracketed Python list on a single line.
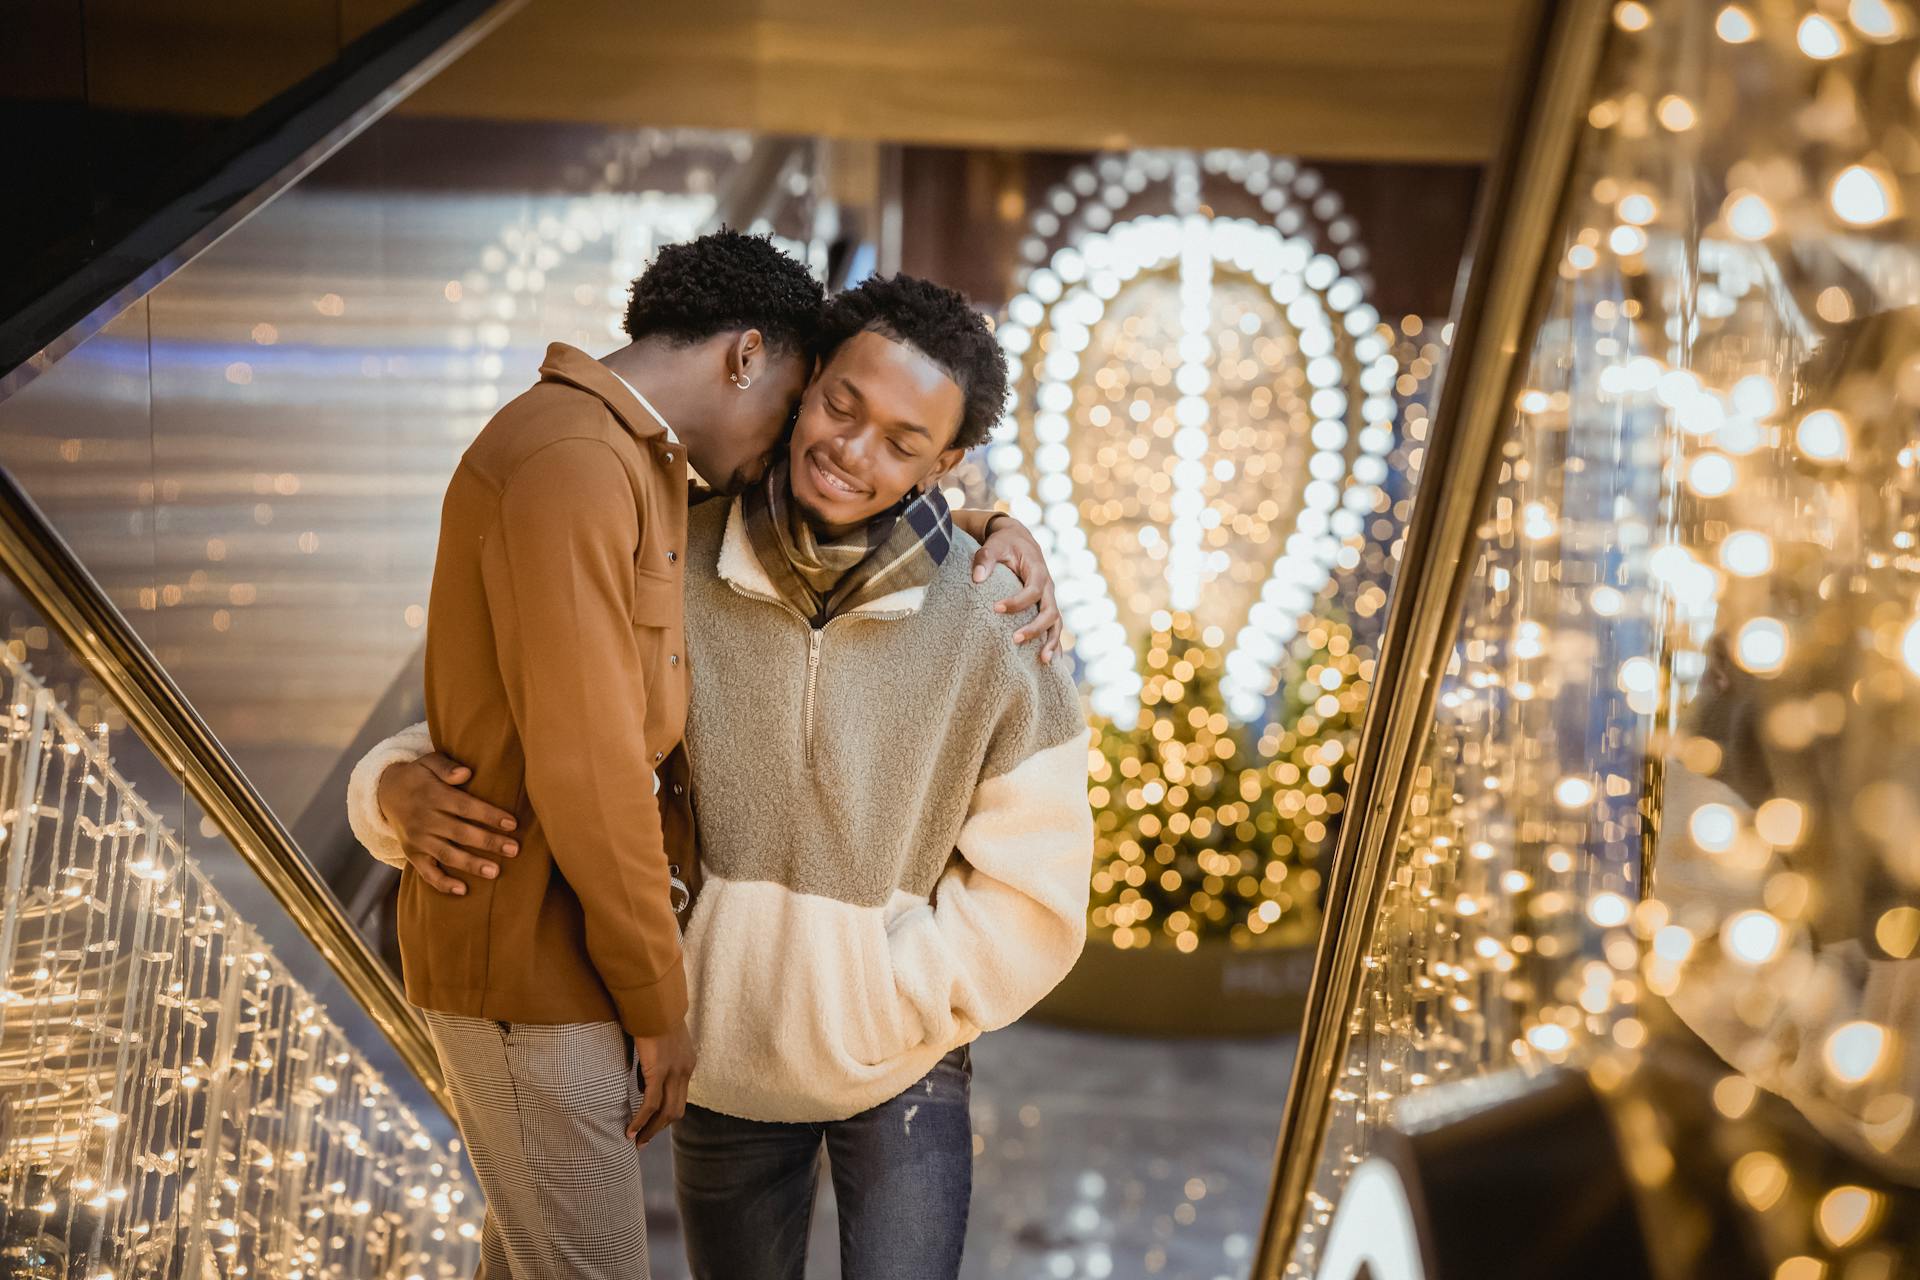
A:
[(177, 1095), (1664, 808)]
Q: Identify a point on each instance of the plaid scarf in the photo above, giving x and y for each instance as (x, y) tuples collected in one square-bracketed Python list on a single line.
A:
[(823, 578)]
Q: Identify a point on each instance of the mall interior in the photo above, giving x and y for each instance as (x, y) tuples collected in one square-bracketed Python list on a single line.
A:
[(1477, 447)]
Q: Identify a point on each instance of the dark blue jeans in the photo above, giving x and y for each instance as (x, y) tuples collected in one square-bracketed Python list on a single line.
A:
[(902, 1178)]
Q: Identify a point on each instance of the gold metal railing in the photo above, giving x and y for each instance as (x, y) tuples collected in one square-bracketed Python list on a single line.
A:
[(1519, 215)]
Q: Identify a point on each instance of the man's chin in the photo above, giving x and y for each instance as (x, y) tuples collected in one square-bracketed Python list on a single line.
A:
[(820, 517)]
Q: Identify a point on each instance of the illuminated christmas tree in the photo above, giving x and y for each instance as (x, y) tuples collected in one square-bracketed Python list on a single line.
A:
[(1205, 830)]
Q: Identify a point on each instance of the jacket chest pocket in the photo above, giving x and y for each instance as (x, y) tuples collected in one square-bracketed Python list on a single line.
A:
[(660, 637)]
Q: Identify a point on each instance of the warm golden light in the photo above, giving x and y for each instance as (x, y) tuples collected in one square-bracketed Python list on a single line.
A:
[(1761, 646), (1862, 196), (1713, 827), (1898, 931), (1735, 25), (1749, 216), (1711, 475), (1819, 38), (1823, 436), (1855, 1051), (1753, 937), (1676, 113), (1733, 1096), (1845, 1214), (1760, 1178), (1781, 822), (1746, 553)]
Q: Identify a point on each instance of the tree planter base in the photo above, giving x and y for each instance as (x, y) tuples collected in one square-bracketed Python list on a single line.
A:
[(1158, 991)]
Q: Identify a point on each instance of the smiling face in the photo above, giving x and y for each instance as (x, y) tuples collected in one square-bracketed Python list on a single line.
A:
[(877, 421)]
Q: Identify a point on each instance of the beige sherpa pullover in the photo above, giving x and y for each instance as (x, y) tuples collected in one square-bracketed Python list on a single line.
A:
[(893, 822)]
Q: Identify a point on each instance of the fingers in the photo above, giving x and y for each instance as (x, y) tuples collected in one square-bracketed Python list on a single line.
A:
[(1050, 615), (1046, 620), (433, 876), (637, 1128), (1025, 598), (480, 813), (984, 559), (474, 839), (452, 857), (1046, 625), (447, 769), (451, 775), (672, 1106)]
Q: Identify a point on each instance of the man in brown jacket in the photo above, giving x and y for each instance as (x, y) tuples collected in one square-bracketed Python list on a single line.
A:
[(556, 669)]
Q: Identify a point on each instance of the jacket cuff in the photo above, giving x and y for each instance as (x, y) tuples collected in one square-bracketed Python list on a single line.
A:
[(655, 1009), (370, 825)]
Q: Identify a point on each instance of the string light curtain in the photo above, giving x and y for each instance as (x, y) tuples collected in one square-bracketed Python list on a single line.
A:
[(172, 1101), (1671, 789)]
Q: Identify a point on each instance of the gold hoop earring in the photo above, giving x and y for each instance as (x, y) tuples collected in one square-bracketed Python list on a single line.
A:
[(740, 380)]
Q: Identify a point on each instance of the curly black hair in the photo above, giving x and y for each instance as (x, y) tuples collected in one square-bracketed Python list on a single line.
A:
[(724, 282), (941, 325)]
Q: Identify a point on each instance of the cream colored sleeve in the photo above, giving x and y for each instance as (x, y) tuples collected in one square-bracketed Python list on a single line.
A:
[(370, 825)]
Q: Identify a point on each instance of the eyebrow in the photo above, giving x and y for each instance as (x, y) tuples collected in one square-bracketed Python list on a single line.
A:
[(847, 385)]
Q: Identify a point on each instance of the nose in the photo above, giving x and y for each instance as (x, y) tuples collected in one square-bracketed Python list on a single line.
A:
[(851, 449)]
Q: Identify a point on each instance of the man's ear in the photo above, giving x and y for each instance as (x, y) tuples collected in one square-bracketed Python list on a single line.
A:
[(748, 354), (949, 459)]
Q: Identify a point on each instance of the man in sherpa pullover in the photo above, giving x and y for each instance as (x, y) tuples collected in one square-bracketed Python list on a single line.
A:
[(891, 802)]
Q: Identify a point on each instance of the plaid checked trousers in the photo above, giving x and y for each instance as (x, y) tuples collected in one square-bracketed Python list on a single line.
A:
[(544, 1111)]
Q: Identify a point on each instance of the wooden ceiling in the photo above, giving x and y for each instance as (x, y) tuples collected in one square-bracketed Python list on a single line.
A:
[(1381, 80)]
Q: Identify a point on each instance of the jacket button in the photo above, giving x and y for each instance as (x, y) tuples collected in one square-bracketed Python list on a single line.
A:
[(672, 556), (673, 659), (658, 756), (669, 457), (679, 790)]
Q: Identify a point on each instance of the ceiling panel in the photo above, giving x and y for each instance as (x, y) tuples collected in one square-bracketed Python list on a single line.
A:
[(1333, 79)]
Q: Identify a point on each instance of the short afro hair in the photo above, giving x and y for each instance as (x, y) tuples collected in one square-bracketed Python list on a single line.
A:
[(941, 325), (726, 282)]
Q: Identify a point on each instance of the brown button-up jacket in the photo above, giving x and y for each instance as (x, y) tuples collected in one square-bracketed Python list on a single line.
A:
[(556, 667)]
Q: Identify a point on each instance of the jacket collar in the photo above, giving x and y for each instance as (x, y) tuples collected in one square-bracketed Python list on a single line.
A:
[(741, 569), (578, 369)]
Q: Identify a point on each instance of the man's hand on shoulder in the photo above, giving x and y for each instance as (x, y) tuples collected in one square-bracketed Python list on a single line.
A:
[(1012, 544)]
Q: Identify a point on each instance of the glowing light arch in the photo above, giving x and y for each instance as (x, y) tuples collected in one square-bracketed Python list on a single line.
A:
[(1320, 296)]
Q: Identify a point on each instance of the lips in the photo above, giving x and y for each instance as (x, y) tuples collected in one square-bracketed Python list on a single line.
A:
[(831, 482)]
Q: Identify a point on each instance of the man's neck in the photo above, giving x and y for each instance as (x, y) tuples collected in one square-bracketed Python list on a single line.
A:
[(659, 373)]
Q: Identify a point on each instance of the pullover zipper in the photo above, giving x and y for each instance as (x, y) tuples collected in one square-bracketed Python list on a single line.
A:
[(813, 679), (816, 636)]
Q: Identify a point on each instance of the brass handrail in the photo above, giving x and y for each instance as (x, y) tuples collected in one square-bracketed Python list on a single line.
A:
[(1503, 295), (105, 643)]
